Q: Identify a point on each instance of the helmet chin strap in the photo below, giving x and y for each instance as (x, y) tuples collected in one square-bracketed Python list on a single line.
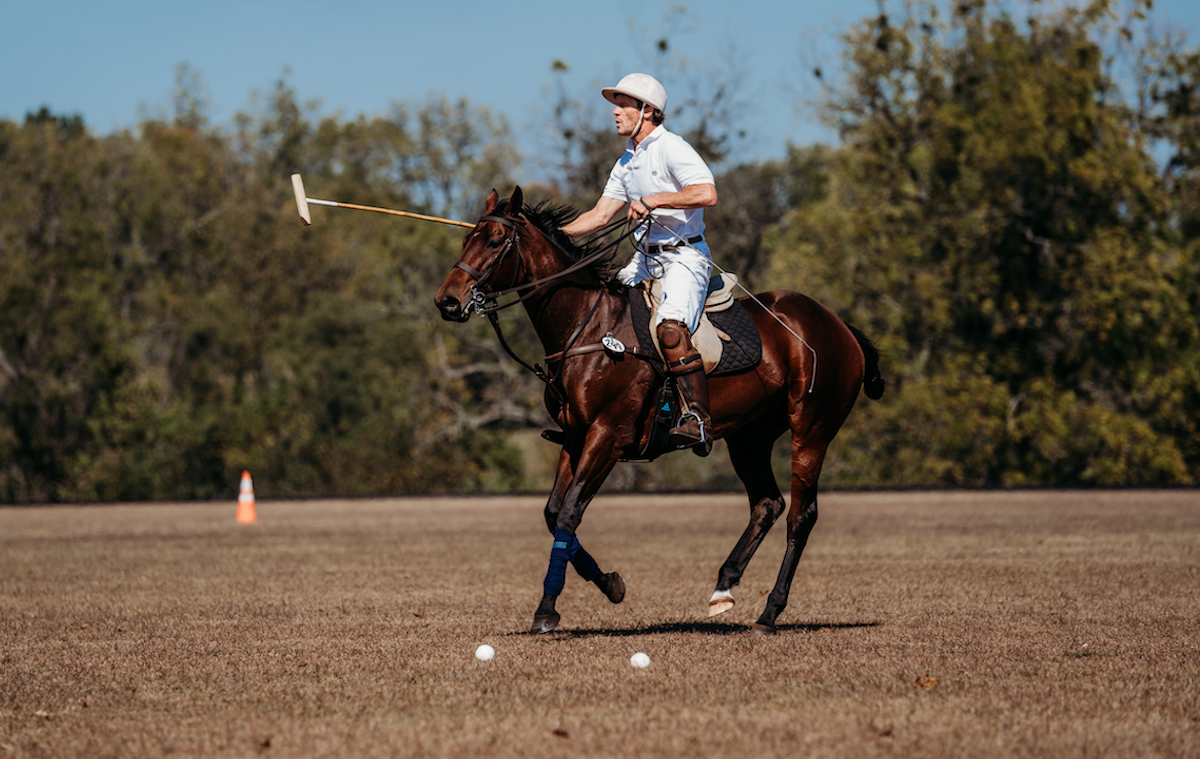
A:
[(637, 129)]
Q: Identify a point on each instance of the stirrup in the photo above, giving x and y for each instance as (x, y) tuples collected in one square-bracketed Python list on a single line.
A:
[(701, 446), (677, 430)]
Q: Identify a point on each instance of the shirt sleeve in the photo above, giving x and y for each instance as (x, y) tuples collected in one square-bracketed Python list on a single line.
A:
[(687, 166), (615, 186)]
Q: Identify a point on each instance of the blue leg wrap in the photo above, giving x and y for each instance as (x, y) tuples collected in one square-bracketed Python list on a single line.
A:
[(583, 562), (560, 554)]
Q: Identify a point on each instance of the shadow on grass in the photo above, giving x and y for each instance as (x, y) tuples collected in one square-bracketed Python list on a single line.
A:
[(700, 628)]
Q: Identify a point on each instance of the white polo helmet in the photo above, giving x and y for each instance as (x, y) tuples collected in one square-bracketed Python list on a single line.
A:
[(641, 87)]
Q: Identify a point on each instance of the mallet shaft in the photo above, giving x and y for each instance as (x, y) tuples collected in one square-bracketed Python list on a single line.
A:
[(405, 214), (303, 201)]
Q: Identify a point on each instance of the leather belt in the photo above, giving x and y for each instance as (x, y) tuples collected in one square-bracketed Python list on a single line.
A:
[(656, 249)]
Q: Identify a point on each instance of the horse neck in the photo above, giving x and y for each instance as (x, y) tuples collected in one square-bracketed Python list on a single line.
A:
[(556, 312)]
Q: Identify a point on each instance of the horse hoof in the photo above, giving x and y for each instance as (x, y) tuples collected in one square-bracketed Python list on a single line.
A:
[(759, 630), (544, 623), (613, 586), (721, 602)]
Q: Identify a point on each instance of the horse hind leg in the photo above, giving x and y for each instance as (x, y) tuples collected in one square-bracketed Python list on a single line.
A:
[(802, 516), (750, 453)]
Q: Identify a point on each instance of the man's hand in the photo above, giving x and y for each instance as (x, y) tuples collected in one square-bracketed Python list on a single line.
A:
[(639, 210)]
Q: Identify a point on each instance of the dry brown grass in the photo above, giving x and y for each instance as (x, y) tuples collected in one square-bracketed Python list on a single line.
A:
[(921, 625)]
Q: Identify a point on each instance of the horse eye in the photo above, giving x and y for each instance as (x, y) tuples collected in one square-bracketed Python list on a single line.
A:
[(493, 244)]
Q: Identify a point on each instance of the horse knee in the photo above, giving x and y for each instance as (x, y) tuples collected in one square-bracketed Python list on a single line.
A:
[(767, 510), (567, 519)]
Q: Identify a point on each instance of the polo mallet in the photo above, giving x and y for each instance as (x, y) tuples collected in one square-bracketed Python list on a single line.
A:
[(302, 202)]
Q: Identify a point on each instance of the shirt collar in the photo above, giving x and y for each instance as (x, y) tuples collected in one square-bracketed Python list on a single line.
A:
[(659, 131)]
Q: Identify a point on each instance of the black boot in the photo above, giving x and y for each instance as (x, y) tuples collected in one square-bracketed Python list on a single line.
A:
[(684, 363)]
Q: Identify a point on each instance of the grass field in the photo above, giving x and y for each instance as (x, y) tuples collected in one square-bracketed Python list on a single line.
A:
[(921, 625)]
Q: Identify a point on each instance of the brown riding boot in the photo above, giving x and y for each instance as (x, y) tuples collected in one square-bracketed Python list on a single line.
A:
[(686, 366)]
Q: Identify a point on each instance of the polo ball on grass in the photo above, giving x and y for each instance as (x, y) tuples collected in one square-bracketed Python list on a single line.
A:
[(485, 653), (640, 660)]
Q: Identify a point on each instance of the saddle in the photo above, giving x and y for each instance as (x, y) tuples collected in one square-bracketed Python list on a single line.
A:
[(727, 339)]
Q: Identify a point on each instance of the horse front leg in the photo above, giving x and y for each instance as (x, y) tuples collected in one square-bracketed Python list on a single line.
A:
[(578, 478)]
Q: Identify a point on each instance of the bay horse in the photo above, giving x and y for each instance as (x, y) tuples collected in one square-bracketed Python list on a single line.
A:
[(604, 400)]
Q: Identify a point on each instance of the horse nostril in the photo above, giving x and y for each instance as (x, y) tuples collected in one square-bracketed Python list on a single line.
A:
[(450, 307)]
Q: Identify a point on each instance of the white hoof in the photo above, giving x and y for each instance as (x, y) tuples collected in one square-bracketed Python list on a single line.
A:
[(721, 601)]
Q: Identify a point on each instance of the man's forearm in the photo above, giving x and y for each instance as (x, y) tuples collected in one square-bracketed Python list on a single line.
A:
[(692, 196), (589, 221), (584, 224)]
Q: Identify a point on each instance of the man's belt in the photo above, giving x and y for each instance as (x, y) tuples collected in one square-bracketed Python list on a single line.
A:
[(654, 250)]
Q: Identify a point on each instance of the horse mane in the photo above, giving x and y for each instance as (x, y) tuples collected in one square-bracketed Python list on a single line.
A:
[(548, 218)]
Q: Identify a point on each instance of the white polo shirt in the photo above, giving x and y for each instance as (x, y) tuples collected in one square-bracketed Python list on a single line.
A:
[(663, 162)]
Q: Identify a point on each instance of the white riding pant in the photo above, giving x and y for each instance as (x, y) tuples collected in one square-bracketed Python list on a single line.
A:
[(684, 274)]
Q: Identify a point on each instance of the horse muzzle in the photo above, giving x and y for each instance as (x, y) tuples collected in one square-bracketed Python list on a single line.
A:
[(452, 309)]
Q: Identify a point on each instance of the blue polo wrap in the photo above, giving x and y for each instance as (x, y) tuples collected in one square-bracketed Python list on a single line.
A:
[(566, 548)]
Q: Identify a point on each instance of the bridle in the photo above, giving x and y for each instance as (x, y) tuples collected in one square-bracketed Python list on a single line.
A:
[(486, 302)]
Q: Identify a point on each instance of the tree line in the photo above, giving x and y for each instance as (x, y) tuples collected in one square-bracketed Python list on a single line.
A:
[(1012, 212)]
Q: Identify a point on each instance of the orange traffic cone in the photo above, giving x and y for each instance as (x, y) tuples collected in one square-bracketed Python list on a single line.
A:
[(245, 512)]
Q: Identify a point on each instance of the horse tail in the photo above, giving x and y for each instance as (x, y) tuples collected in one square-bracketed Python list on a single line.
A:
[(873, 383)]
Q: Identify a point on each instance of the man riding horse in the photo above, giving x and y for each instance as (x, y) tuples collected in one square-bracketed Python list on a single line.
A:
[(604, 400), (661, 173)]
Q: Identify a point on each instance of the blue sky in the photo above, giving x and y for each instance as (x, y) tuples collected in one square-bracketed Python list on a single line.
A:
[(114, 62)]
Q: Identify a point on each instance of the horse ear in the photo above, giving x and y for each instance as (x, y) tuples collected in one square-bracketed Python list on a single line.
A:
[(515, 203), (490, 204)]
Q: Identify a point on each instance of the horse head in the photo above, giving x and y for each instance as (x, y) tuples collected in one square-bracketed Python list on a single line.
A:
[(491, 258)]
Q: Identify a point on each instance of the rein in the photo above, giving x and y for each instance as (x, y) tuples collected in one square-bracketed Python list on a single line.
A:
[(537, 369)]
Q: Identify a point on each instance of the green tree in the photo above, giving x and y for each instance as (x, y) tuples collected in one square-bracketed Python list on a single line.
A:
[(994, 218), (65, 358), (166, 321)]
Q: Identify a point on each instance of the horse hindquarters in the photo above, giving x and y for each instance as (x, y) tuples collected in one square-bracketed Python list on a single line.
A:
[(817, 408)]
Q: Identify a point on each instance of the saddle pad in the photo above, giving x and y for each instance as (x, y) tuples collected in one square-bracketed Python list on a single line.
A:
[(742, 351)]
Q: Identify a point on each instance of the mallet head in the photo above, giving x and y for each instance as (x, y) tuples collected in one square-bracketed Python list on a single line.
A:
[(301, 199)]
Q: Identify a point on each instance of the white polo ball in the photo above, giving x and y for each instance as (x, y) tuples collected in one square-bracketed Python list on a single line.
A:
[(485, 653), (640, 660)]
